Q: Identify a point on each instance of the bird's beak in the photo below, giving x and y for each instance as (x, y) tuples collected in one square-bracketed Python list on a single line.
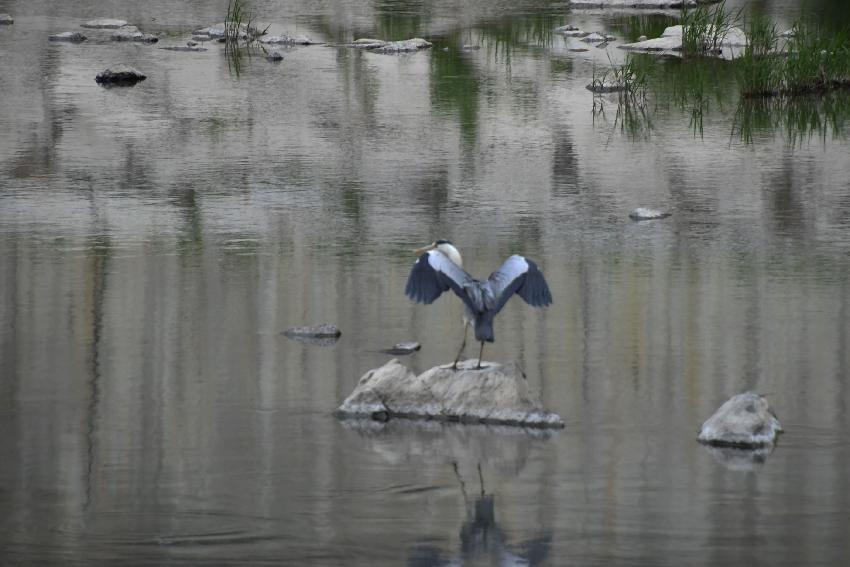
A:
[(420, 251)]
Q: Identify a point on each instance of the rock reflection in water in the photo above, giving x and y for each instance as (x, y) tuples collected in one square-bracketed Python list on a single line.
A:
[(464, 448), (739, 458)]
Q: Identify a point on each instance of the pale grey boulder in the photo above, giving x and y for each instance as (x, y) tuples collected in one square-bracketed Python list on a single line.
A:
[(496, 394), (745, 420), (367, 43), (120, 75), (105, 23), (6, 20), (71, 37)]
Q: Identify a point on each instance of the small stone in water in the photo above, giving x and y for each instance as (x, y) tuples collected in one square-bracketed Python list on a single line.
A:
[(6, 20), (642, 213), (402, 348), (72, 37), (120, 75), (105, 23)]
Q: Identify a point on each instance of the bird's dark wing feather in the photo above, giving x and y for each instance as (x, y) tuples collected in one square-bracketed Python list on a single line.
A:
[(432, 274), (519, 275)]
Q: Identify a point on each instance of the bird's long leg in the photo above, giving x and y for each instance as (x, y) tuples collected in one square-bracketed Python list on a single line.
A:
[(462, 345), (480, 353)]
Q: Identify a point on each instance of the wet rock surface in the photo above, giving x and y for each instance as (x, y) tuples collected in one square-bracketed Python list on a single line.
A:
[(105, 23), (6, 20), (120, 75), (643, 213), (72, 37), (745, 420), (496, 394)]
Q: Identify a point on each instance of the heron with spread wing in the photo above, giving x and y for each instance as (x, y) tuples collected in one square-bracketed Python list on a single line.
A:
[(440, 268)]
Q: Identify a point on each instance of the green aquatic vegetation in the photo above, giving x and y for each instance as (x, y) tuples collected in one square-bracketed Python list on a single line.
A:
[(759, 69), (239, 25), (704, 27), (799, 118), (816, 62)]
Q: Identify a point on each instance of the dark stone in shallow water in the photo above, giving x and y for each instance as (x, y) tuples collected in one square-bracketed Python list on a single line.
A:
[(6, 20), (120, 75), (133, 34), (72, 37)]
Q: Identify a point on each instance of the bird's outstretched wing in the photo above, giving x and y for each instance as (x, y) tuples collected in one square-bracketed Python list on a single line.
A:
[(432, 274), (519, 275)]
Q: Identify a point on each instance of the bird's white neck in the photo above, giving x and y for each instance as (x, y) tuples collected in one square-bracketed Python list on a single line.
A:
[(451, 252)]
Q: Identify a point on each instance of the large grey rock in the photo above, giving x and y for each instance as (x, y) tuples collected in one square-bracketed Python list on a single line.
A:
[(72, 37), (497, 394), (105, 23), (745, 420), (6, 20), (120, 75)]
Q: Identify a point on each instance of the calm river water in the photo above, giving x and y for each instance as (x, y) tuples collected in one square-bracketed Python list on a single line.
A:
[(156, 240)]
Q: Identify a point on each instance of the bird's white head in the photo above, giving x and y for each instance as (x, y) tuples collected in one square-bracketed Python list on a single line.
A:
[(444, 246)]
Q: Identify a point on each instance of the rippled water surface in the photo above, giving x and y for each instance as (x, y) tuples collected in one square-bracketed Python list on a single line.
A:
[(156, 240)]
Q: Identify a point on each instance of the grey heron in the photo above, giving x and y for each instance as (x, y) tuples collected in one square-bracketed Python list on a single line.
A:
[(440, 268)]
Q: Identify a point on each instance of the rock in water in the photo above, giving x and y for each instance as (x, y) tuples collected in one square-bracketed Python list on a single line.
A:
[(642, 213), (322, 331), (745, 420), (399, 349), (496, 394), (105, 23), (73, 37), (6, 20), (120, 75), (275, 56)]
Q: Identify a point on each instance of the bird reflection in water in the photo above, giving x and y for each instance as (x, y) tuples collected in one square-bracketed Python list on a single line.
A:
[(482, 542)]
